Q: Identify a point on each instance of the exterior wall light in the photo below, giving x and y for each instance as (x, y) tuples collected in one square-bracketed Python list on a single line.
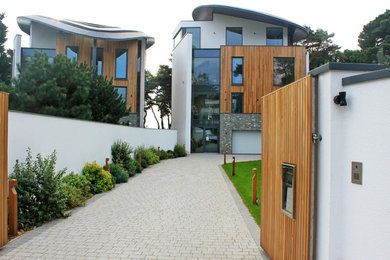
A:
[(340, 99)]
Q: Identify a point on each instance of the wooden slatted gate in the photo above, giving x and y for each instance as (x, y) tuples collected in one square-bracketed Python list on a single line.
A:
[(288, 122), (3, 167)]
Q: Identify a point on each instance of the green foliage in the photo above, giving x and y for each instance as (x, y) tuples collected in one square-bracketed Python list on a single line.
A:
[(243, 183), (5, 55), (376, 33), (179, 151), (65, 88), (148, 157), (119, 175), (137, 166), (320, 46), (40, 197), (171, 154), (76, 189), (99, 178), (121, 155), (163, 155)]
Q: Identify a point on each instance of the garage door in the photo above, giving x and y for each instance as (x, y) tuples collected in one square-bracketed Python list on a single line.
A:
[(248, 142)]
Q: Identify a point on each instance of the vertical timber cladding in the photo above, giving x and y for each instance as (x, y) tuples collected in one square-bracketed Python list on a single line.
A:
[(287, 138), (3, 167), (85, 44), (258, 73)]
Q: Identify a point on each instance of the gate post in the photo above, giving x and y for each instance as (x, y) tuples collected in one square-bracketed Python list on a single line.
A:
[(107, 164), (234, 166), (139, 157), (224, 157), (13, 208)]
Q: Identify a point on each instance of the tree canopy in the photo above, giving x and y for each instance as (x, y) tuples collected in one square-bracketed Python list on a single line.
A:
[(319, 44), (65, 88), (5, 55)]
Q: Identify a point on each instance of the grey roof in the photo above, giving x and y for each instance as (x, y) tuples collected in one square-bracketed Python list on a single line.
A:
[(379, 74), (90, 30), (346, 66), (205, 13)]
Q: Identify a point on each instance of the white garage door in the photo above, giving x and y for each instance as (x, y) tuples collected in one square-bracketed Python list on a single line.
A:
[(248, 142)]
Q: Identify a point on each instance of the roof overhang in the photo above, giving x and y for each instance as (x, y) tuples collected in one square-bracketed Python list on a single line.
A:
[(205, 13), (89, 30)]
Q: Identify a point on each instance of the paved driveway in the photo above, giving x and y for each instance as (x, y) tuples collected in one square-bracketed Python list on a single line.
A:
[(177, 209)]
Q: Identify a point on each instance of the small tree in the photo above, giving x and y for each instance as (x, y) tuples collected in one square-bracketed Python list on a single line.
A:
[(320, 46), (5, 55), (164, 93)]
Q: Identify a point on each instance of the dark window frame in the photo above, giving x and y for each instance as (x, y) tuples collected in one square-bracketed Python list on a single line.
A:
[(266, 36), (285, 211), (242, 102), (232, 72), (273, 75), (226, 36), (127, 63), (78, 51)]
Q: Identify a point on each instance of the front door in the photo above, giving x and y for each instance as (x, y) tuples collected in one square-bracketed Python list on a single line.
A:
[(204, 140)]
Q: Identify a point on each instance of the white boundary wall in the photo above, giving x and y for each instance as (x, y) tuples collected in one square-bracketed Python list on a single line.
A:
[(76, 141), (353, 220), (181, 91)]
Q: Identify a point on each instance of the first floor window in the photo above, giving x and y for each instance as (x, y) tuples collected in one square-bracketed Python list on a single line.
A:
[(233, 36), (122, 91), (237, 71), (72, 52), (99, 60), (237, 103), (121, 64), (283, 71), (274, 36)]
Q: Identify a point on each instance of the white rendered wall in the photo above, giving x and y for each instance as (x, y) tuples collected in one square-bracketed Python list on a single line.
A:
[(181, 91), (76, 141), (42, 36), (353, 220), (213, 33)]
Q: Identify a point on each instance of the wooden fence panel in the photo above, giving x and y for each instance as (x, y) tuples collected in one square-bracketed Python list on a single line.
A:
[(287, 138), (3, 167)]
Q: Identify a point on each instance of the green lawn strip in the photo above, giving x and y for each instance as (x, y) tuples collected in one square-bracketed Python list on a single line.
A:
[(243, 183)]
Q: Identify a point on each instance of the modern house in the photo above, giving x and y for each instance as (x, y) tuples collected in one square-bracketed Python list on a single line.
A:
[(114, 52), (224, 61)]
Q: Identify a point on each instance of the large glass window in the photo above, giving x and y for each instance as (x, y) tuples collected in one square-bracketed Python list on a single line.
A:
[(275, 36), (120, 63), (237, 103), (283, 71), (237, 71), (205, 101), (28, 53), (72, 52), (122, 91), (233, 36), (99, 60), (195, 31)]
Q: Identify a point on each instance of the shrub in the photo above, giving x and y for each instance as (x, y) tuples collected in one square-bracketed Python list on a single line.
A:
[(179, 151), (137, 166), (171, 154), (118, 174), (76, 189), (121, 155), (163, 155), (99, 178), (148, 157), (40, 197)]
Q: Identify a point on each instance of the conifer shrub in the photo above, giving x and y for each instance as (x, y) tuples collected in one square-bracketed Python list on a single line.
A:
[(179, 151), (101, 180), (76, 189)]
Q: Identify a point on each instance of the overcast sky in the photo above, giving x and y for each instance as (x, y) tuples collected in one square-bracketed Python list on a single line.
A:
[(159, 18)]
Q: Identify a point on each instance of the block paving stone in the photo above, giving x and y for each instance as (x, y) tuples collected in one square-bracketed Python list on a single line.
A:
[(177, 209)]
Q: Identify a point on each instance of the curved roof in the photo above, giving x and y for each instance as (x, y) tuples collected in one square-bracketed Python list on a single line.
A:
[(205, 13), (90, 30)]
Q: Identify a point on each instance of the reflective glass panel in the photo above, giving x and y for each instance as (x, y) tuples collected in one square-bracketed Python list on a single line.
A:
[(234, 36), (283, 71), (122, 91), (237, 71), (72, 52), (195, 36), (121, 64), (237, 102), (274, 36), (27, 53), (99, 60)]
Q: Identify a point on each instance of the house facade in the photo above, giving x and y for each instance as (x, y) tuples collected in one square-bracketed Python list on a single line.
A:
[(224, 61), (114, 52)]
